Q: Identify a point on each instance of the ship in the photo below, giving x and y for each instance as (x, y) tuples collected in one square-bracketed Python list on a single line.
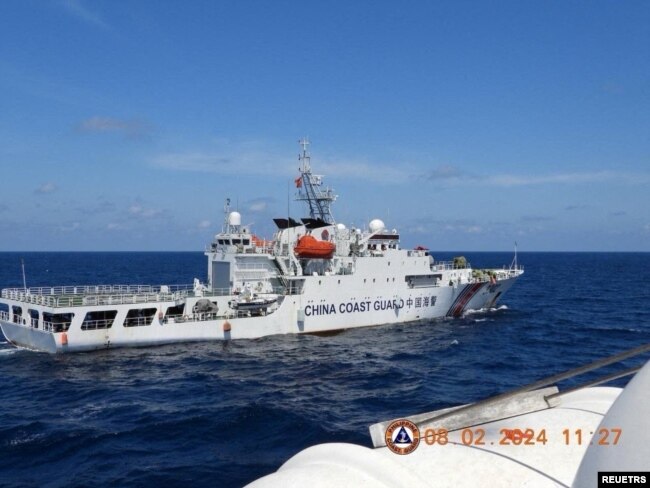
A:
[(316, 275)]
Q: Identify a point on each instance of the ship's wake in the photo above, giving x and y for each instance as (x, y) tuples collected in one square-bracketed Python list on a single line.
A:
[(485, 310)]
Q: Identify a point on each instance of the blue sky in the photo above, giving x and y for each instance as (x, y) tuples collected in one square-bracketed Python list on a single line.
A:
[(466, 125)]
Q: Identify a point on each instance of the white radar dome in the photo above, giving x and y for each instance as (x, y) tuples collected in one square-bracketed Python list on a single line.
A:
[(234, 218), (376, 225), (340, 226)]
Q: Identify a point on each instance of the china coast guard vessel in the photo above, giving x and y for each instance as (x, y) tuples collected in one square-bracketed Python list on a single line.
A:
[(314, 276)]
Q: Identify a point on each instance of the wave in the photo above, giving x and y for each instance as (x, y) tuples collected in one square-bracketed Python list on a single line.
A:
[(615, 329), (485, 310)]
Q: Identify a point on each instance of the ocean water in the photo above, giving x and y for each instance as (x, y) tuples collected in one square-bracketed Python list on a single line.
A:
[(224, 414)]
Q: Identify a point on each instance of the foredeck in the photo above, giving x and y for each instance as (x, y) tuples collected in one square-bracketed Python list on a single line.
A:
[(80, 296)]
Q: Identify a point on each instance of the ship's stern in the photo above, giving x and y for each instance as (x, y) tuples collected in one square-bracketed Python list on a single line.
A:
[(30, 338)]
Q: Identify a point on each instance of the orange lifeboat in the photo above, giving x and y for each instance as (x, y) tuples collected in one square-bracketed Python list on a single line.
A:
[(309, 247)]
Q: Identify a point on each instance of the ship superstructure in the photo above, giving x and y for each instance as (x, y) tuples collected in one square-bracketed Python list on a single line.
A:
[(315, 275)]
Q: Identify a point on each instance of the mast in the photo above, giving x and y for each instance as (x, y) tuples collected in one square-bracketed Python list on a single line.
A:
[(310, 188), (513, 265), (22, 263), (226, 213)]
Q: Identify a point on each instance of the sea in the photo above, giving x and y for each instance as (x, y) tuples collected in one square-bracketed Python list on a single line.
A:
[(222, 414)]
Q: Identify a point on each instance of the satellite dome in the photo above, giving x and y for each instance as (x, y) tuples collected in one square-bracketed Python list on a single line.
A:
[(376, 225), (234, 218), (340, 226)]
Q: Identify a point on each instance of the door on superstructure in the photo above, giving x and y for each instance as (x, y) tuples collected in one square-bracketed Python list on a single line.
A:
[(221, 275)]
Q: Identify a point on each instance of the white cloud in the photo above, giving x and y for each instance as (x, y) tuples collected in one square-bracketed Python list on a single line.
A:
[(265, 159), (432, 226), (47, 187), (136, 210), (445, 172), (133, 128), (454, 176), (378, 173), (69, 227), (258, 207), (605, 176), (77, 9), (204, 162), (204, 224), (255, 158)]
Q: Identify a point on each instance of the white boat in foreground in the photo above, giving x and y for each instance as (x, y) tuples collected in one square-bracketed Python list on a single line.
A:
[(582, 438), (315, 275)]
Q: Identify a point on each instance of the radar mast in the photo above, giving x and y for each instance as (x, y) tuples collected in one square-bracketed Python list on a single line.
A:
[(310, 188)]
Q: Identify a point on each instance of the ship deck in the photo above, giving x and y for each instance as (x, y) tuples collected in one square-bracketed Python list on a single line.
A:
[(89, 295)]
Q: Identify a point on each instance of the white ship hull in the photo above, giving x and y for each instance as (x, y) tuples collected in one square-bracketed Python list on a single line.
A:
[(307, 313)]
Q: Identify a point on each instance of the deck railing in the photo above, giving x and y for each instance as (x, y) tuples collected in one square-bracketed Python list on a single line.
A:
[(138, 321), (56, 326), (194, 317), (97, 324), (447, 266), (97, 290), (78, 296)]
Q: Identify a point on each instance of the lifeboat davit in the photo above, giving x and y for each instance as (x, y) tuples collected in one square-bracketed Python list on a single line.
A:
[(310, 247)]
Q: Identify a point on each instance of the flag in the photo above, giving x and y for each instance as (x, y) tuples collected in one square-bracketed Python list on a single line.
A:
[(298, 182)]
